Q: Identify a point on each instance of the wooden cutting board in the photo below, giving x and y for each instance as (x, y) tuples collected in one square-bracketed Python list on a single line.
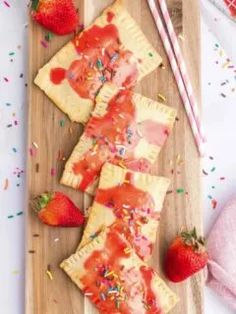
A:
[(178, 160)]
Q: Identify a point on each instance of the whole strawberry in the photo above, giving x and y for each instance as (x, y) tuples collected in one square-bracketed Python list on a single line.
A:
[(57, 16), (185, 256), (56, 209), (231, 4)]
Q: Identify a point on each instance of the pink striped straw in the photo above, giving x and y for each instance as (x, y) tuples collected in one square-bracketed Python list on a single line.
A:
[(177, 74), (182, 66)]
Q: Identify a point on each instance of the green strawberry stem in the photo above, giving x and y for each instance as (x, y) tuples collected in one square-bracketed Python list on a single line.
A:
[(41, 201), (191, 238), (34, 5), (44, 199)]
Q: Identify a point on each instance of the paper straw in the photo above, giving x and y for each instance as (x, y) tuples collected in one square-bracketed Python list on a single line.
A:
[(182, 67), (178, 77)]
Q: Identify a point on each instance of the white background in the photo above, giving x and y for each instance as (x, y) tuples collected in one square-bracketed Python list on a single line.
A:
[(219, 119)]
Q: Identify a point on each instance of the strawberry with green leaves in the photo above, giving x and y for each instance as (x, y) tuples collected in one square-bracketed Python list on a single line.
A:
[(57, 16), (57, 210), (185, 256)]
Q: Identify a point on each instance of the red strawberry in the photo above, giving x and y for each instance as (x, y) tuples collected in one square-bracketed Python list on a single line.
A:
[(58, 16), (231, 4), (56, 209), (185, 256)]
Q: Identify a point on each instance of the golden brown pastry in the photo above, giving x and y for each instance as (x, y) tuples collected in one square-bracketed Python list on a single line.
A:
[(113, 49), (126, 129), (132, 201), (116, 280)]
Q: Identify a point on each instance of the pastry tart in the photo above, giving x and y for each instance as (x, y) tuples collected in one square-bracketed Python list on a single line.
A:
[(126, 129), (116, 280), (112, 49), (133, 202)]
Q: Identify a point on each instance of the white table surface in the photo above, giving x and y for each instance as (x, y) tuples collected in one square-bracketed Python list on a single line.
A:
[(219, 119)]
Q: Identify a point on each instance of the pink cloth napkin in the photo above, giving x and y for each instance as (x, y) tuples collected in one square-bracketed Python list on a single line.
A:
[(221, 245)]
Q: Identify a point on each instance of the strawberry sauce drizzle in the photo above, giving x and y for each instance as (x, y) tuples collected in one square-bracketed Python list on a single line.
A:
[(57, 75), (100, 59), (115, 288), (116, 135), (150, 297), (133, 208)]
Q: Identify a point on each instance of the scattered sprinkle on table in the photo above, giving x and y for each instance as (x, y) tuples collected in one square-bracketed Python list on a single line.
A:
[(35, 145), (48, 36), (162, 66), (204, 172), (17, 214), (9, 125), (180, 190), (62, 123), (213, 169), (53, 172), (161, 97), (18, 172), (44, 44), (6, 184), (37, 167), (49, 273), (6, 4), (31, 251), (179, 161), (214, 203), (224, 83)]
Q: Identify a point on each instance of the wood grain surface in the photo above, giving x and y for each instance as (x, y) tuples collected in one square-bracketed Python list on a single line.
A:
[(60, 295)]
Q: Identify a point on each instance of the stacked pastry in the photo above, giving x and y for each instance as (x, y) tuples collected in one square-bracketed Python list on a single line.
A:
[(91, 80)]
